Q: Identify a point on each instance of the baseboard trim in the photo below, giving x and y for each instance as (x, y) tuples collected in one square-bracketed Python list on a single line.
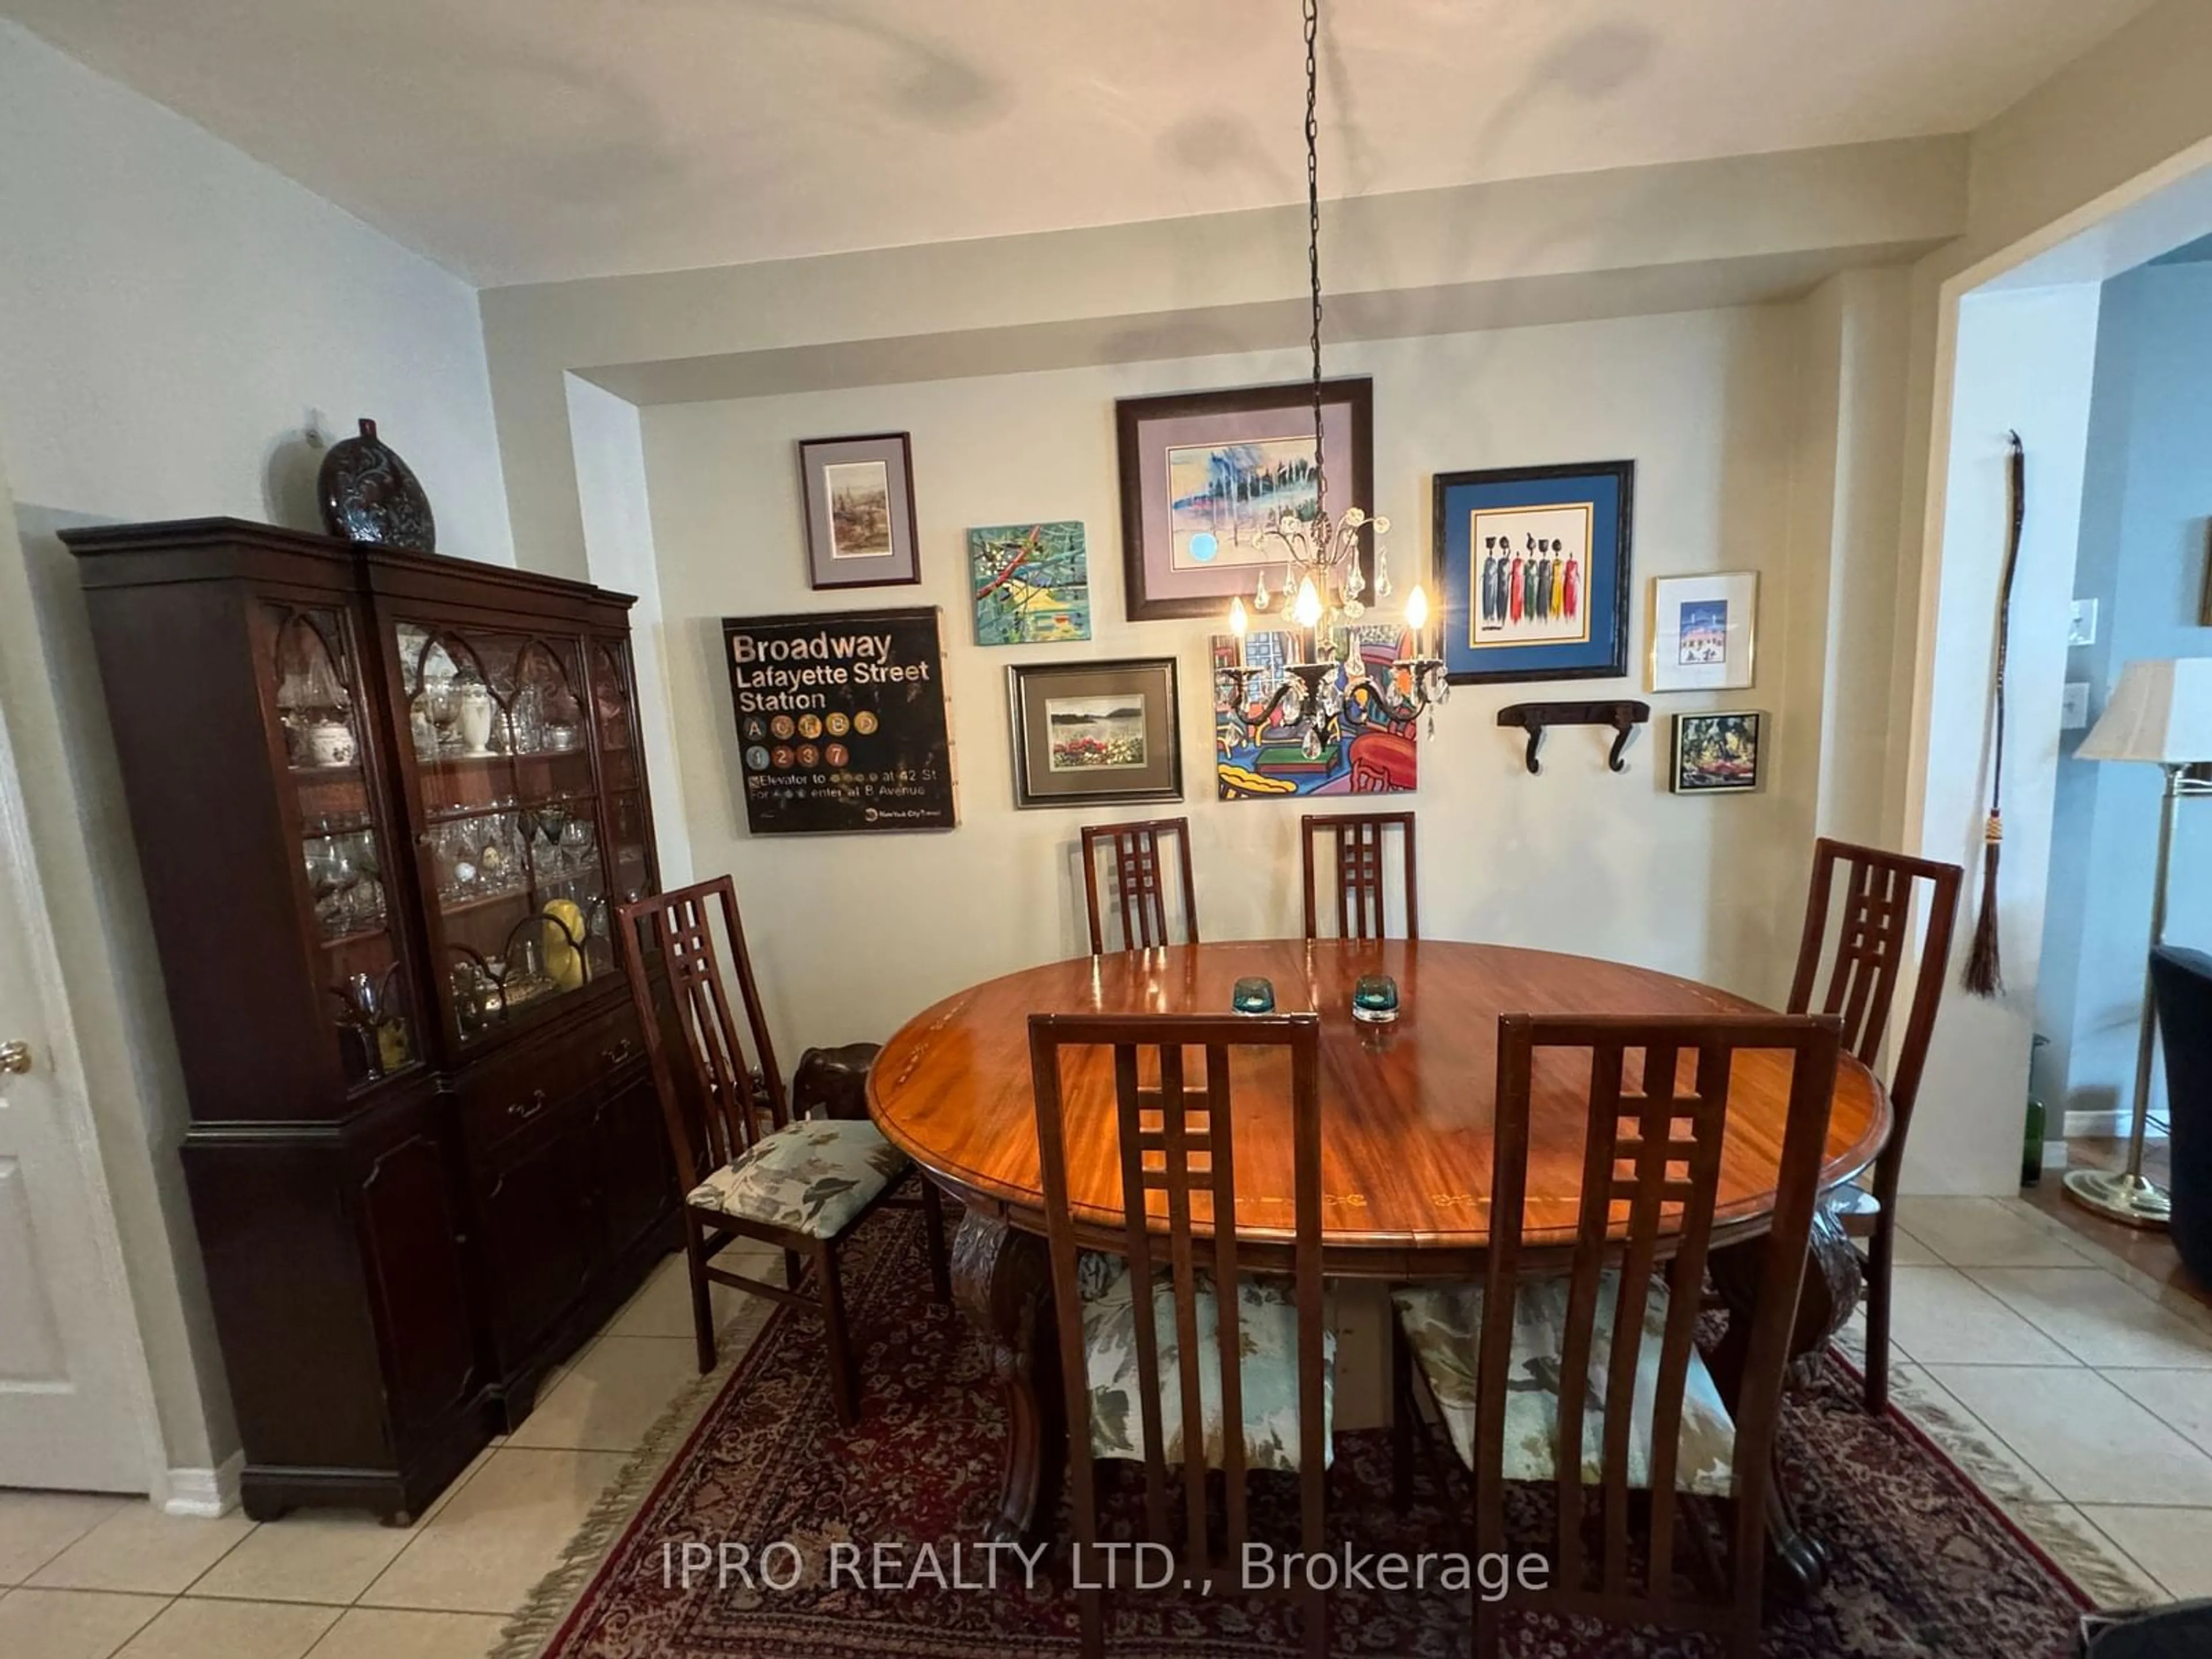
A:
[(2106, 1125), (2095, 1126), (207, 1494)]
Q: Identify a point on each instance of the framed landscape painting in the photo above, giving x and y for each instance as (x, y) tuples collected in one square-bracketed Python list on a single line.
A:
[(1533, 566), (1031, 583), (1702, 632), (860, 511), (1087, 732), (1717, 754), (1206, 474)]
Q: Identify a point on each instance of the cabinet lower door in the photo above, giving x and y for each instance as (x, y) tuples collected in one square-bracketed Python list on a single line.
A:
[(636, 1173), (412, 1248), (539, 1247)]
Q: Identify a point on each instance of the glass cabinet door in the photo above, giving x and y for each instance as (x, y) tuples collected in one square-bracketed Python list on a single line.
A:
[(622, 771), (311, 684), (511, 859)]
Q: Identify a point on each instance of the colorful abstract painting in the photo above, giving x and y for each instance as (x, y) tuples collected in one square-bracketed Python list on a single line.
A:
[(1716, 754), (1031, 582), (1259, 755)]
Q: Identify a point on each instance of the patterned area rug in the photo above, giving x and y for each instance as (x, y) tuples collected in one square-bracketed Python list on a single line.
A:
[(1924, 1566)]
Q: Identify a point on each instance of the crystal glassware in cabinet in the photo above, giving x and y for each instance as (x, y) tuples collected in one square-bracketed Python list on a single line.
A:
[(505, 725), (354, 957)]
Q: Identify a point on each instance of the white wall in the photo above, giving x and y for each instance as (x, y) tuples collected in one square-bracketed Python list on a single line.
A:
[(1834, 657), (2143, 554), (171, 316), (2024, 360), (617, 521), (1623, 241), (855, 935)]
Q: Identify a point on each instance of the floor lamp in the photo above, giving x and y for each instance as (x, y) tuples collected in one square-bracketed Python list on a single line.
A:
[(2161, 713)]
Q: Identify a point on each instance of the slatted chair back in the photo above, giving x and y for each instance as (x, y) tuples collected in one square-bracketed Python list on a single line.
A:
[(1136, 881), (1176, 1156), (716, 1102), (1870, 939), (1359, 841), (1650, 1177)]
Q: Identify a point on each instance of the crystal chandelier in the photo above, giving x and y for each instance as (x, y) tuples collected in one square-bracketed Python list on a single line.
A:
[(1324, 584)]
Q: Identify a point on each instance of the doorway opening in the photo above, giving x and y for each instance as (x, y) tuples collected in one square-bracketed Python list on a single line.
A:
[(2095, 345)]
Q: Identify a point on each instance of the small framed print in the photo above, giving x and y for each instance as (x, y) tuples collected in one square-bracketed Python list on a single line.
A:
[(860, 511), (1721, 753), (1095, 732), (1534, 563), (1703, 631)]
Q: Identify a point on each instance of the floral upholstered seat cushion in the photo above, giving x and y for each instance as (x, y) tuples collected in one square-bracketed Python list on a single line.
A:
[(813, 1177), (1267, 1341), (1444, 1323)]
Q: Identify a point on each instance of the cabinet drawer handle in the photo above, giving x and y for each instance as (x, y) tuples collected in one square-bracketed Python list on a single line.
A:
[(526, 1109), (616, 1055)]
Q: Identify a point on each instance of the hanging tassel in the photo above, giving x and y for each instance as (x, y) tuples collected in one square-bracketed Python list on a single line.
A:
[(1984, 961)]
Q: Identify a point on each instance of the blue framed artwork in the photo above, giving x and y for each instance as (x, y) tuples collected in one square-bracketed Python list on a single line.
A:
[(1533, 566)]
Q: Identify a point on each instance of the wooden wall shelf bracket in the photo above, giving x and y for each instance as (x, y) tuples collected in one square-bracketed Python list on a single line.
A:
[(1623, 714)]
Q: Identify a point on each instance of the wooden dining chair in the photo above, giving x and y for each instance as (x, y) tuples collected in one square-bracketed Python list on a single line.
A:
[(1524, 1368), (1253, 1368), (1358, 839), (1136, 882), (746, 1167), (1870, 939)]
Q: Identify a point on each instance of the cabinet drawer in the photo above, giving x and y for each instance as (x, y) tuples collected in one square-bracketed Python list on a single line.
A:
[(507, 1092)]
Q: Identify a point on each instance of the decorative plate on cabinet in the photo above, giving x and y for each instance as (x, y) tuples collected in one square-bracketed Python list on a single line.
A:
[(369, 495)]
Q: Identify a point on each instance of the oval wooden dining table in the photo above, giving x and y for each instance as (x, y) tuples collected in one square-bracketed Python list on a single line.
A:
[(1406, 1134)]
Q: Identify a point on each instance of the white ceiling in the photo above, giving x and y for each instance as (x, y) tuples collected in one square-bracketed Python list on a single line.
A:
[(524, 140)]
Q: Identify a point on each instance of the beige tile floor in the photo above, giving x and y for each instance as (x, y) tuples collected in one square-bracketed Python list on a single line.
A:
[(2077, 1390), (92, 1577)]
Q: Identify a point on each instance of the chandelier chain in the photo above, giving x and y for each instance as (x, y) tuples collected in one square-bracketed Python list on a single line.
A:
[(1313, 238)]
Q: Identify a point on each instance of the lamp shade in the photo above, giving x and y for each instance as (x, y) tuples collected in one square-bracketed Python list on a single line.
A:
[(2160, 711)]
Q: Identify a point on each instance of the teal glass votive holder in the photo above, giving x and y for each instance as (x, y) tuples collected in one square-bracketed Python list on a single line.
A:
[(1375, 998), (1252, 996)]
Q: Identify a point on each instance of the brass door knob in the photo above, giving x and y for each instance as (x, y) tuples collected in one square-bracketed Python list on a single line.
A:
[(15, 1057)]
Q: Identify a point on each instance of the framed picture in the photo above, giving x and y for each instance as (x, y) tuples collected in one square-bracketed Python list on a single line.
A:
[(1091, 731), (2204, 605), (860, 511), (1257, 755), (1031, 583), (1533, 564), (1718, 754), (1704, 629), (1205, 473), (840, 722)]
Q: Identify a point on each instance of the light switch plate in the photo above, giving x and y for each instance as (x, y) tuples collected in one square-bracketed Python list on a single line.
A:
[(2074, 706), (2084, 628)]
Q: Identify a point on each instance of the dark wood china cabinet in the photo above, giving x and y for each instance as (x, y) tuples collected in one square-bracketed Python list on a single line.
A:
[(386, 805)]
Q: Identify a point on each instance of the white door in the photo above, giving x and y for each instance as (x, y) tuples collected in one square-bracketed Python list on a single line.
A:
[(72, 1372)]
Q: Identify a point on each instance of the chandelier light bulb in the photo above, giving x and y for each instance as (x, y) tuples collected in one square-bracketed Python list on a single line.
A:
[(1306, 611), (1417, 610), (1238, 621)]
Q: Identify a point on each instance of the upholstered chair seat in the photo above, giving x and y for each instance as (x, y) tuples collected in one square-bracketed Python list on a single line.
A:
[(1443, 1328), (813, 1177), (1268, 1338)]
